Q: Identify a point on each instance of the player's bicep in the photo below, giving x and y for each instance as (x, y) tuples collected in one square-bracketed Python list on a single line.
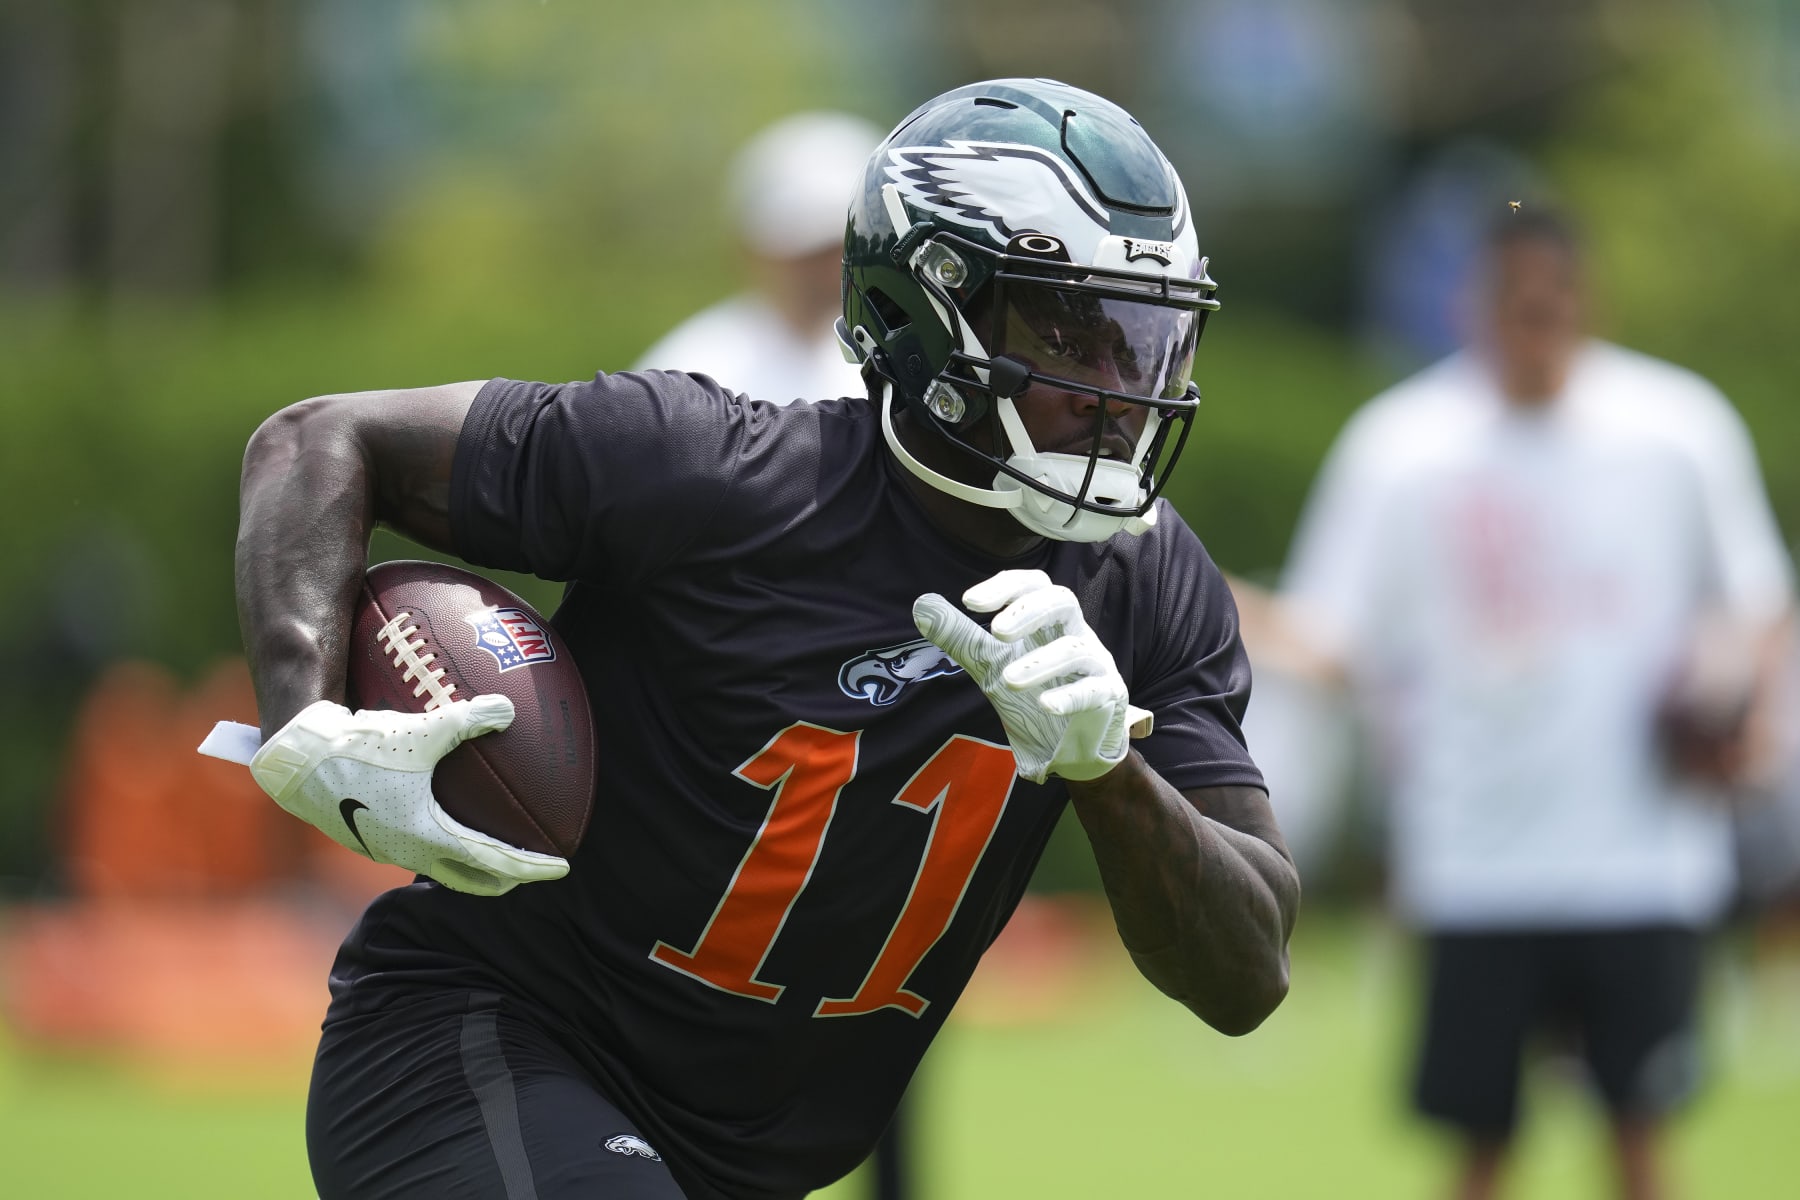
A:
[(409, 438)]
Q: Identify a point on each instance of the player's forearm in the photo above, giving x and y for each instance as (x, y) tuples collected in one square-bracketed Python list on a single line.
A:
[(305, 513), (1204, 909), (317, 476)]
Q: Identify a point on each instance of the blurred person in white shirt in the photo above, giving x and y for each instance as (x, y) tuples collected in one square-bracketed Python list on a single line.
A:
[(788, 194), (1547, 570)]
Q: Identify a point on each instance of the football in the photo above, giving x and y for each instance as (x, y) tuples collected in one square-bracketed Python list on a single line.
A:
[(426, 634)]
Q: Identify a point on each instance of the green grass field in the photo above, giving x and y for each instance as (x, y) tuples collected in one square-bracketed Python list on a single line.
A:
[(1125, 1097)]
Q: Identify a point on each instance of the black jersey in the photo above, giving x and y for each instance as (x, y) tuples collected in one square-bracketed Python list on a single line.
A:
[(808, 826)]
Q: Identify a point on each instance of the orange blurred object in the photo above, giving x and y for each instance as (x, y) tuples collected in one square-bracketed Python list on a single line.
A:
[(182, 937), (174, 979), (144, 814)]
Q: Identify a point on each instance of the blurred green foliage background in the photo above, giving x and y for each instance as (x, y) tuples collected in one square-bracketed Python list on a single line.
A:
[(211, 208)]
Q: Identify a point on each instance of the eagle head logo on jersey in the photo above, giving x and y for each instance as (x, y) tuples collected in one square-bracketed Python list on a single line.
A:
[(512, 636), (878, 676), (626, 1143)]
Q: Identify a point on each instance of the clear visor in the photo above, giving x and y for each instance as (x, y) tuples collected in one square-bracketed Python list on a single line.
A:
[(1124, 346)]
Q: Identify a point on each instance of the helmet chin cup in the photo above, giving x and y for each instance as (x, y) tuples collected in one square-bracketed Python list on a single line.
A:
[(1114, 482)]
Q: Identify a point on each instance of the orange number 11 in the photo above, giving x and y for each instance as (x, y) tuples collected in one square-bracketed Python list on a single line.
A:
[(963, 787)]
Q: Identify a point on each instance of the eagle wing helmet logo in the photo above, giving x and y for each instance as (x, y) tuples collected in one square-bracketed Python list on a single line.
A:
[(1002, 188)]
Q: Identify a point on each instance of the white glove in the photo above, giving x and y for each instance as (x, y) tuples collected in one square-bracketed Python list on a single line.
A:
[(1060, 697), (364, 778)]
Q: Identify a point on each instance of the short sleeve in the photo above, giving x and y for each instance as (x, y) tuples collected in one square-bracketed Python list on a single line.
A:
[(609, 477), (1193, 674), (1754, 573)]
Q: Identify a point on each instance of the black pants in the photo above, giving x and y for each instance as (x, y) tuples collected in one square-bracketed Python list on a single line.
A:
[(1625, 999), (436, 1101)]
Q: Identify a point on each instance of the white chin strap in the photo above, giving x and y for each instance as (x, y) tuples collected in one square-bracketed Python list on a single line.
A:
[(1115, 482)]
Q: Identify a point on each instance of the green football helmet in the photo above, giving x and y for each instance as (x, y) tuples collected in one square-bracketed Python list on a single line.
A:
[(1018, 233)]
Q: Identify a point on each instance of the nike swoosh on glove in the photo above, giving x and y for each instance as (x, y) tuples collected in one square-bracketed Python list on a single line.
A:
[(1060, 696), (364, 778)]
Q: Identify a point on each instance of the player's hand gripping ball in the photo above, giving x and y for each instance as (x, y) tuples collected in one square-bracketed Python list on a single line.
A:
[(1060, 697), (364, 778), (471, 758)]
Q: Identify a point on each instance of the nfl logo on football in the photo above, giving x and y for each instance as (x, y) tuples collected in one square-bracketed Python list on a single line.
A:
[(512, 636)]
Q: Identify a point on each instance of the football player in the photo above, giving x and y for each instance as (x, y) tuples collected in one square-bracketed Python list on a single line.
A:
[(848, 661)]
